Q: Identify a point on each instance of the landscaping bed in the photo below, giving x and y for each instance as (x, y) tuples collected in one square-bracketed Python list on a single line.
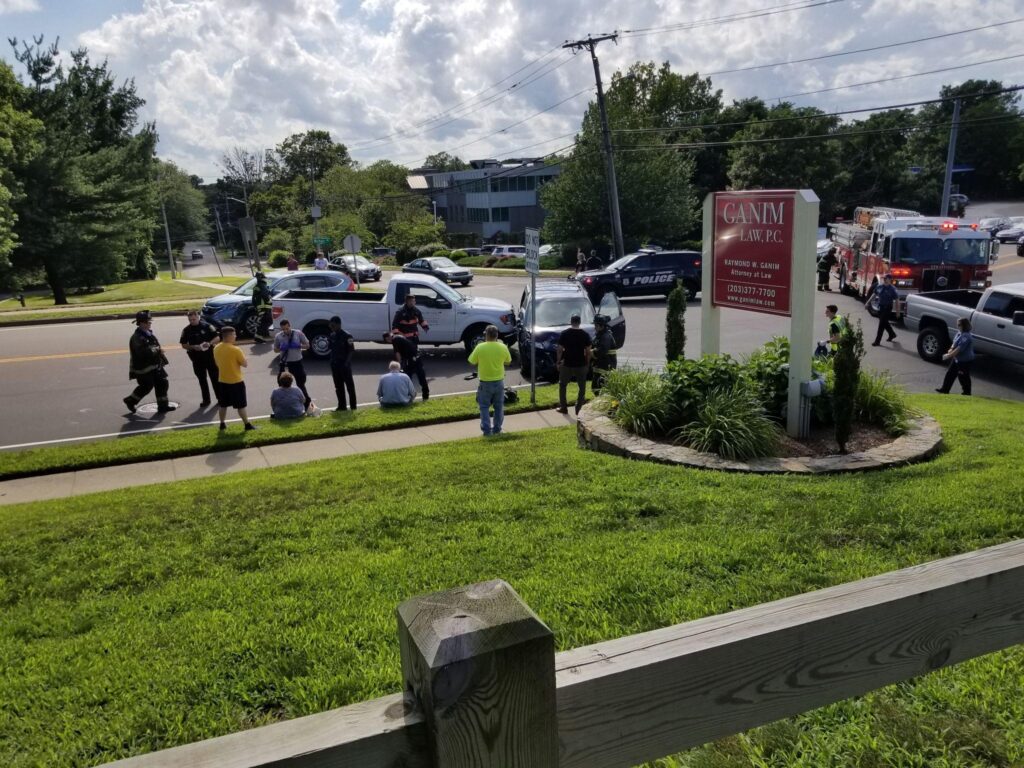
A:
[(151, 617)]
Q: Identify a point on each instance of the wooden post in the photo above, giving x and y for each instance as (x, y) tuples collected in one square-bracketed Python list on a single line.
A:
[(481, 666)]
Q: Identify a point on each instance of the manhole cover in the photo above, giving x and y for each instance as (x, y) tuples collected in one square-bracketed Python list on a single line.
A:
[(149, 409)]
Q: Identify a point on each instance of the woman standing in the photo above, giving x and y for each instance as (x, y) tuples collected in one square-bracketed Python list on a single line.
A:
[(961, 358)]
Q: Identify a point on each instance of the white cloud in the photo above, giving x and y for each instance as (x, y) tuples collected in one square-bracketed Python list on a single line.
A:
[(18, 6), (216, 73)]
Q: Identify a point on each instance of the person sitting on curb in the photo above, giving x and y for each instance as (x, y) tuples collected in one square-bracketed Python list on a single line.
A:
[(287, 402), (395, 388)]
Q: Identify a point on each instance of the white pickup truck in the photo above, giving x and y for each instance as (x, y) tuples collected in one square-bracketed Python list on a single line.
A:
[(996, 315), (453, 318)]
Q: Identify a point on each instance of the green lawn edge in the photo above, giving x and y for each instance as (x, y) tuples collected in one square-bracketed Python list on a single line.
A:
[(204, 439), (141, 619)]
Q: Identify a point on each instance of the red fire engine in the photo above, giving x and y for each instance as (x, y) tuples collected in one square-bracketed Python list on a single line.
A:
[(922, 253)]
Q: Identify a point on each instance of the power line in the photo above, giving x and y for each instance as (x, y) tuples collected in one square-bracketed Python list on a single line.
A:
[(863, 50), (797, 5)]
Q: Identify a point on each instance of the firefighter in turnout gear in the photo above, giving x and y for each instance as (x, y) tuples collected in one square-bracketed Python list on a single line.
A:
[(146, 365), (261, 304), (605, 357), (408, 320)]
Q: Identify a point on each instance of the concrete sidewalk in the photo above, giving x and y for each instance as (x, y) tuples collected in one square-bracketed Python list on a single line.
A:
[(68, 484)]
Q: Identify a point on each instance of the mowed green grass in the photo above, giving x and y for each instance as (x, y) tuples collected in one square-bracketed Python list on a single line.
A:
[(208, 439), (143, 619), (134, 291)]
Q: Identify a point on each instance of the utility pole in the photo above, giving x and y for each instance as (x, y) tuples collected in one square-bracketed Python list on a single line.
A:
[(950, 158), (167, 230), (613, 188)]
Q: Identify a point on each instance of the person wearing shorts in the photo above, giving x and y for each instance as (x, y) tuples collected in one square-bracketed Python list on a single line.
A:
[(230, 362)]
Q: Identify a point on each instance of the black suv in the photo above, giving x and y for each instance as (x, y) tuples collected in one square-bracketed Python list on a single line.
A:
[(645, 273), (557, 302)]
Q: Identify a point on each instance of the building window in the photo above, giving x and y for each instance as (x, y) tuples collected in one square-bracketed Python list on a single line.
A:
[(499, 214), (477, 214)]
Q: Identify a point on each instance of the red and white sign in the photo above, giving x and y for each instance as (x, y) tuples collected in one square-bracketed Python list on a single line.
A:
[(752, 256)]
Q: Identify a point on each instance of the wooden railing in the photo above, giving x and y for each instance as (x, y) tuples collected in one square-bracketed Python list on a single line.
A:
[(485, 689)]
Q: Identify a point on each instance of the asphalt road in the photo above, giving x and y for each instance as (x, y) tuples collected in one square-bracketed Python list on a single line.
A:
[(65, 382)]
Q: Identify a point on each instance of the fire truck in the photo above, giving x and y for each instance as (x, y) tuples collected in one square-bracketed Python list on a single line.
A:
[(922, 253)]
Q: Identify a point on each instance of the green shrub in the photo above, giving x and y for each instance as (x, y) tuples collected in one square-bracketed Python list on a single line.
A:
[(513, 262), (880, 402), (278, 259), (474, 261), (457, 256), (846, 365), (428, 250), (675, 323), (691, 381), (442, 253), (768, 372), (731, 423), (640, 401), (551, 261)]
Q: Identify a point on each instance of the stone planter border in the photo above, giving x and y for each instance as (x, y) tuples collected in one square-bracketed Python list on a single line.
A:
[(597, 432)]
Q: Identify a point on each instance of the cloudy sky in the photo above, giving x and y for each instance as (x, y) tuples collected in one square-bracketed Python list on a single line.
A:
[(400, 79)]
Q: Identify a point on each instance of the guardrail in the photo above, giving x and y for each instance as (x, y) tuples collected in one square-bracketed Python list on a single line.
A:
[(484, 687)]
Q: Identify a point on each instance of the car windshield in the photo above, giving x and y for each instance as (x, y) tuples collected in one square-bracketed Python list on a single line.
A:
[(939, 251), (443, 262), (245, 289), (620, 263), (450, 293), (557, 311)]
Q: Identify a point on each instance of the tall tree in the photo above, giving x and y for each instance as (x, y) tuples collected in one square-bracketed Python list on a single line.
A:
[(89, 202), (785, 151), (188, 217), (19, 143), (657, 199), (443, 161), (307, 155)]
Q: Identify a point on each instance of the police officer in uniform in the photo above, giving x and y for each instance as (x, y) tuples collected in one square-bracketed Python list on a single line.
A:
[(198, 339), (605, 357), (887, 296), (146, 365), (261, 303)]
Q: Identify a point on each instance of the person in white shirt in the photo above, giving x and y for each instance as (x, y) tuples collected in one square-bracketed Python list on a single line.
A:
[(320, 262), (394, 387), (291, 343)]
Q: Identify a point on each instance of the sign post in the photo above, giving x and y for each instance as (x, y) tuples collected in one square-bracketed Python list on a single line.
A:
[(760, 245), (533, 267), (353, 244)]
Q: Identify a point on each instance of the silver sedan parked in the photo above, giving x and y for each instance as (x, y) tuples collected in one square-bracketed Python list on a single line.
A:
[(442, 268)]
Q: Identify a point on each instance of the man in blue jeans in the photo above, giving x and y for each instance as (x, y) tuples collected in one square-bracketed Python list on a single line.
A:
[(490, 358)]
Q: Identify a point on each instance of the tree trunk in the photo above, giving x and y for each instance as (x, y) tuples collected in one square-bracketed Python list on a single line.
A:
[(56, 283)]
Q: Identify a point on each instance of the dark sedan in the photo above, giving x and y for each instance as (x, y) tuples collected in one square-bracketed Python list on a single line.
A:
[(442, 268), (349, 264)]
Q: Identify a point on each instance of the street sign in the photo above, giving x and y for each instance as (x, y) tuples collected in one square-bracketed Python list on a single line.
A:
[(533, 251), (352, 243), (752, 256), (314, 212), (322, 240)]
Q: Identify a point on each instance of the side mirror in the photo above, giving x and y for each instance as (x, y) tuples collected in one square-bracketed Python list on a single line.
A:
[(1018, 318)]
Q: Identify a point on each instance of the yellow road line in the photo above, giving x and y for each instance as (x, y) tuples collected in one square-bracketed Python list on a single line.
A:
[(34, 358), (1007, 264)]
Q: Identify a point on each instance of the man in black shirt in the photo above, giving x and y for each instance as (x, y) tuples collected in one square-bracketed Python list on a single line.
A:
[(198, 339), (605, 356), (573, 361), (342, 346), (407, 353)]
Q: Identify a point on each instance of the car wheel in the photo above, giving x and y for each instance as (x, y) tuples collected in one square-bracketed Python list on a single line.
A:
[(465, 283), (871, 305), (251, 324), (1020, 249), (932, 343), (319, 340), (844, 286), (473, 336), (691, 290)]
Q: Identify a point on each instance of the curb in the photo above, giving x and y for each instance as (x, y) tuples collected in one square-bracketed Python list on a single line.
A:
[(596, 431), (89, 318)]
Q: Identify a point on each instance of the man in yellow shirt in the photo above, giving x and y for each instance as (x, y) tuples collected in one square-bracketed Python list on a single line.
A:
[(230, 362), (490, 357)]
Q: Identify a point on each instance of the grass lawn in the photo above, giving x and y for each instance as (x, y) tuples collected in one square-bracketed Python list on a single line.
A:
[(135, 291), (207, 438), (151, 617), (86, 311)]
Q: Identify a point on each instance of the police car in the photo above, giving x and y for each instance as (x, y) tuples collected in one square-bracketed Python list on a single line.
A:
[(645, 273)]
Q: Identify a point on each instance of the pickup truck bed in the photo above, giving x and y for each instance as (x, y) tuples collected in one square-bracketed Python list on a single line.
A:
[(996, 316)]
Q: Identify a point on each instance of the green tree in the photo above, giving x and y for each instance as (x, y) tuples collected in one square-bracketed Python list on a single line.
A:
[(442, 161), (306, 155), (675, 323), (657, 200), (89, 202), (846, 365), (877, 163), (19, 143), (187, 213), (774, 153), (409, 233)]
